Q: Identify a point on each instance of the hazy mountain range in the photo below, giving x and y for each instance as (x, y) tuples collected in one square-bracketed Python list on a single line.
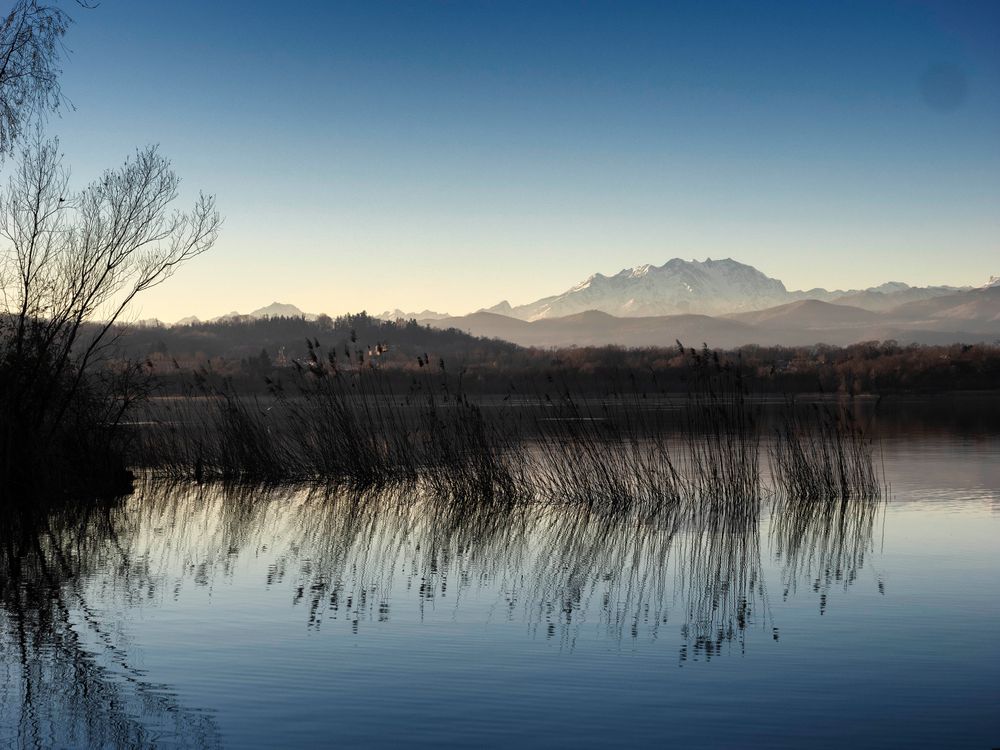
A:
[(709, 287), (726, 303), (967, 316), (398, 314), (722, 302), (274, 310)]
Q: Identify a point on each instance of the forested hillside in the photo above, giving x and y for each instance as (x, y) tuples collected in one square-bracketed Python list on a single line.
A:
[(247, 353)]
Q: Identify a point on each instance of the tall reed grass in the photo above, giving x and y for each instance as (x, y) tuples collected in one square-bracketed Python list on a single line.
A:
[(824, 453), (338, 422)]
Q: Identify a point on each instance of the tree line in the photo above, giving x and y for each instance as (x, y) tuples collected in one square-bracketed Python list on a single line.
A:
[(248, 353)]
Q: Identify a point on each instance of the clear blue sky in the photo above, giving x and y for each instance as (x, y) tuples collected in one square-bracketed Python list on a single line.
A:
[(452, 154)]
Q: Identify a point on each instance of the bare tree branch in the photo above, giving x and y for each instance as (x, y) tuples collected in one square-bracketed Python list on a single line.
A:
[(30, 52), (71, 264)]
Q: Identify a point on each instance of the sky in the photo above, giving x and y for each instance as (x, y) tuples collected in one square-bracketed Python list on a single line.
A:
[(448, 155)]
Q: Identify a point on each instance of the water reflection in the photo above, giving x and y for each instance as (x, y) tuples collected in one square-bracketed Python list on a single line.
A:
[(721, 577), (69, 679), (824, 543), (353, 558)]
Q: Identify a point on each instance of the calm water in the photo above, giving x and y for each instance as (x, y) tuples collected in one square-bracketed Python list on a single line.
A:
[(193, 617)]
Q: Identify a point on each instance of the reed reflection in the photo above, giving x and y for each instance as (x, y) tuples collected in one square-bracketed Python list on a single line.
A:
[(824, 542), (353, 556), (364, 559)]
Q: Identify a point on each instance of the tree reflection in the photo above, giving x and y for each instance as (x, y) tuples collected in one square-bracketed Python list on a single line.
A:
[(69, 679)]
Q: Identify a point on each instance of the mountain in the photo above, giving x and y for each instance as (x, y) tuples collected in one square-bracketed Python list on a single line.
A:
[(970, 316), (281, 310), (709, 287), (980, 306), (810, 314), (274, 310), (398, 314), (723, 302), (678, 286), (594, 328), (882, 297)]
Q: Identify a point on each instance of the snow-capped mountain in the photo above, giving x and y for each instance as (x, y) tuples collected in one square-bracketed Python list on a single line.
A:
[(398, 314), (274, 310), (678, 286), (709, 287), (281, 310)]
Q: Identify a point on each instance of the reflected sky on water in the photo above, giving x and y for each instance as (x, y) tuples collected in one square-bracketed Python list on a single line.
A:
[(195, 616)]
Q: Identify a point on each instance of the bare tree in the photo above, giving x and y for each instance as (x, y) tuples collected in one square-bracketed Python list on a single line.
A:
[(70, 265), (30, 50)]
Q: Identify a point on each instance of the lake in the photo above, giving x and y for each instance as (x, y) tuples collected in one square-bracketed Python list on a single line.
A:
[(195, 616)]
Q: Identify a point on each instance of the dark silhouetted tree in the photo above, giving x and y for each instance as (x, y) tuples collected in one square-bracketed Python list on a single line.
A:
[(71, 263)]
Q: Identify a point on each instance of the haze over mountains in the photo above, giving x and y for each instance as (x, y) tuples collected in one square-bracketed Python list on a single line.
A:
[(709, 287), (966, 316), (722, 302), (398, 314), (274, 310), (726, 303)]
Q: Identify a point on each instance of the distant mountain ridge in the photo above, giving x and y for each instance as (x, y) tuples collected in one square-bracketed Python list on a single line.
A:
[(398, 314), (281, 310), (709, 287), (967, 316), (679, 287), (721, 302), (274, 310)]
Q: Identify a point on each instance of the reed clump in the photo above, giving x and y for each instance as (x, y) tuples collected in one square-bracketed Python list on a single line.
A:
[(467, 456), (604, 456), (823, 453), (213, 435), (722, 430), (338, 421), (344, 422)]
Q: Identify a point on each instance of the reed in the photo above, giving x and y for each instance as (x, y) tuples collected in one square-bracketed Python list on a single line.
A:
[(344, 422), (608, 457), (722, 431), (214, 436), (339, 422), (823, 453)]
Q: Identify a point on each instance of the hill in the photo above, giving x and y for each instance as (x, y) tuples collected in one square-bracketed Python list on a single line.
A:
[(969, 316)]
